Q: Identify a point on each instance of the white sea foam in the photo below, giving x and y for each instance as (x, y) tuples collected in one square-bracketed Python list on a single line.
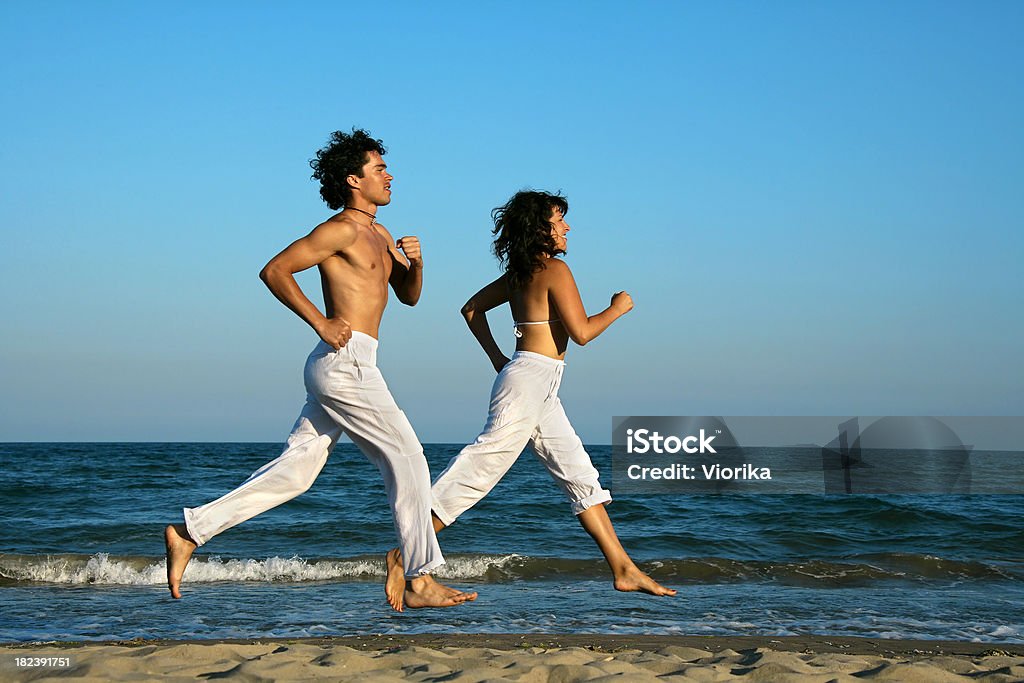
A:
[(475, 566), (1005, 631), (103, 569), (98, 569)]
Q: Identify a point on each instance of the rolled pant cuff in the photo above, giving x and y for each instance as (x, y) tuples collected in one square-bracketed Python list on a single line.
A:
[(427, 569), (597, 498), (189, 526)]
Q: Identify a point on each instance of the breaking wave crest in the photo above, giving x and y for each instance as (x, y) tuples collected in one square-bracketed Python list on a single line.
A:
[(104, 569)]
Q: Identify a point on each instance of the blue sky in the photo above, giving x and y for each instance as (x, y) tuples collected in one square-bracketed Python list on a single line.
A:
[(816, 206)]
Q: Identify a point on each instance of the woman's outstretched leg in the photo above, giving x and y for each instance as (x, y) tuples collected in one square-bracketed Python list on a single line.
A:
[(560, 449), (628, 576)]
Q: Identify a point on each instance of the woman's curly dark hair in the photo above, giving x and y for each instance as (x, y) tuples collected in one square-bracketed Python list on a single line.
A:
[(344, 155), (523, 232)]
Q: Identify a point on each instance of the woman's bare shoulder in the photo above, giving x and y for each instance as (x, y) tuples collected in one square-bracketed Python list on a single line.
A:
[(555, 268)]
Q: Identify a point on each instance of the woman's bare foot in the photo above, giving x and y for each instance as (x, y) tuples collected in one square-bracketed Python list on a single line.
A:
[(394, 584), (179, 551), (425, 592), (633, 579)]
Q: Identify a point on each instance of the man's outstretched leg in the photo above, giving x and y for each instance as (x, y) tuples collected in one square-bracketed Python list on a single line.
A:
[(280, 480)]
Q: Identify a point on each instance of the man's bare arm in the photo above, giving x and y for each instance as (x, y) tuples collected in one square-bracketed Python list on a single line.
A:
[(581, 327), (475, 313), (279, 276), (406, 271)]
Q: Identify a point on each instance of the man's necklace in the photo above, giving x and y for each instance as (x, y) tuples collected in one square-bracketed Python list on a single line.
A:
[(373, 219)]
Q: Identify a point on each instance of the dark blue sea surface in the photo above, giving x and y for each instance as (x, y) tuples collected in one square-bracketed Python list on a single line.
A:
[(81, 555)]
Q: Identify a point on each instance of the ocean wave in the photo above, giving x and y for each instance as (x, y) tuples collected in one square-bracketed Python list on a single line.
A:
[(105, 569)]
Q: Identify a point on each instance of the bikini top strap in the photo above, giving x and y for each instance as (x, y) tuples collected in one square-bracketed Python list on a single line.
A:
[(519, 333), (537, 322)]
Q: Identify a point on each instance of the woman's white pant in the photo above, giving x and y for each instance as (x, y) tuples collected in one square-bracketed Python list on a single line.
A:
[(524, 410), (345, 393)]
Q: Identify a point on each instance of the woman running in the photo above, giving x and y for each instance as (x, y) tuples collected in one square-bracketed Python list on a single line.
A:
[(525, 410)]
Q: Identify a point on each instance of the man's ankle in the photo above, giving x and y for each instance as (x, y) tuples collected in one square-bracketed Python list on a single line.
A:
[(420, 582)]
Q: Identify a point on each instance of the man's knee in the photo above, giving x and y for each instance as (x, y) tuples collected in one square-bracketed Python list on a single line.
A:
[(298, 482), (300, 468)]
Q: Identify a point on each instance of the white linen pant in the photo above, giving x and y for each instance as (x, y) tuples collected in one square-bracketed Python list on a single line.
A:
[(524, 410), (345, 393)]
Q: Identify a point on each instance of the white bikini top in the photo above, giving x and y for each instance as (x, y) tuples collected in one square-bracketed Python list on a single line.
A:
[(519, 333)]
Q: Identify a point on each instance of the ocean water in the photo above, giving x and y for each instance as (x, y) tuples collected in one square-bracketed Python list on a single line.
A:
[(81, 555)]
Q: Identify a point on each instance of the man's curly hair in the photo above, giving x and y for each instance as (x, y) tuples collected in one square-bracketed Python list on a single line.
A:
[(523, 232), (344, 155)]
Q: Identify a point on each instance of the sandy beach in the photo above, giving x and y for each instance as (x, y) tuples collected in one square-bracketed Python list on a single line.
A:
[(532, 657)]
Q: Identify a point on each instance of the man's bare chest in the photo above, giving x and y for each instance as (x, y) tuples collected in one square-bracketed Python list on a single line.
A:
[(369, 255)]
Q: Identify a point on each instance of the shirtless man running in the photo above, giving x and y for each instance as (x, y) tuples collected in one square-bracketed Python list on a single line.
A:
[(357, 259)]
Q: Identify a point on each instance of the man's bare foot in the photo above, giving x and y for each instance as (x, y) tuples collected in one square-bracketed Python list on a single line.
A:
[(635, 580), (425, 592), (394, 584), (452, 592), (179, 551)]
